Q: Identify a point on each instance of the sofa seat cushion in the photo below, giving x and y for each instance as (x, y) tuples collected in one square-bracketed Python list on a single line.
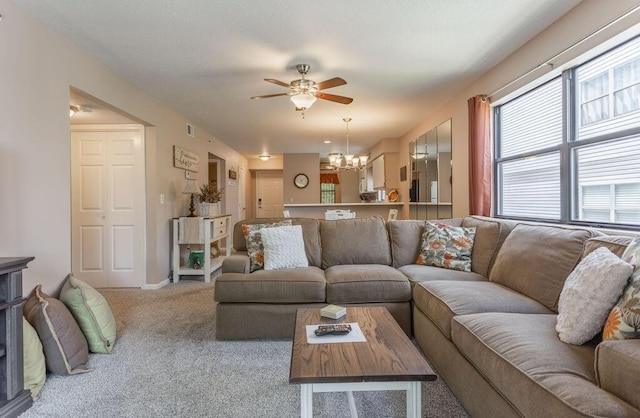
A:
[(522, 354), (296, 285), (418, 273), (364, 283), (441, 301), (617, 368)]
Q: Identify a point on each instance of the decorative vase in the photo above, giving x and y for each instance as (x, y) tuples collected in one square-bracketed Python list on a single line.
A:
[(209, 210)]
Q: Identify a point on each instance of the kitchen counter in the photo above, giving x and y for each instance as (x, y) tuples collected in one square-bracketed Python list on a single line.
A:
[(340, 205), (362, 210)]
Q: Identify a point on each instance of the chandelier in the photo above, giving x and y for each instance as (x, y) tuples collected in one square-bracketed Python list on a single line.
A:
[(350, 161)]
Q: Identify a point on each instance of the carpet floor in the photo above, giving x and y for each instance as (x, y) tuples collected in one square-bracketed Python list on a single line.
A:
[(167, 363)]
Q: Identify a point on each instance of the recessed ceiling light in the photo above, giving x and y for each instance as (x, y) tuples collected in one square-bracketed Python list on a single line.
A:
[(327, 142)]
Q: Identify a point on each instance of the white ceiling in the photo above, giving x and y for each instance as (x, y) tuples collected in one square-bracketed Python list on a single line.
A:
[(205, 58)]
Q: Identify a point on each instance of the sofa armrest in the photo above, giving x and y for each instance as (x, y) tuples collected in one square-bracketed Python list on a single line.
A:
[(236, 263), (617, 367)]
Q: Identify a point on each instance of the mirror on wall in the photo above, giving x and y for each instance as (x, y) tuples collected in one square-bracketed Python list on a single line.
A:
[(431, 174)]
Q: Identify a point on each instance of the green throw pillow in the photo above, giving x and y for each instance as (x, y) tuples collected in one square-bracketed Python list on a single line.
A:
[(92, 312), (35, 370)]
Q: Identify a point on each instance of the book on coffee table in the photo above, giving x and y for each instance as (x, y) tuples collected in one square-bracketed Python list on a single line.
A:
[(333, 311)]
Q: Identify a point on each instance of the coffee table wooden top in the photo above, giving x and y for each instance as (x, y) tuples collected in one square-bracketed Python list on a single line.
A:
[(387, 355)]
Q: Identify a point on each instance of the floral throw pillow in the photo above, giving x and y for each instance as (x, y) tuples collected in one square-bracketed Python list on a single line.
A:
[(255, 248), (447, 246), (624, 319)]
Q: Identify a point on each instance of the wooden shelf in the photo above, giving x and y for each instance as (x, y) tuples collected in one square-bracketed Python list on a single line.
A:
[(212, 230)]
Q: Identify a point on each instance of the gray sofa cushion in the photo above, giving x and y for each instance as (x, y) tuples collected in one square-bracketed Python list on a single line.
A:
[(419, 273), (441, 301), (489, 234), (536, 260), (364, 283), (299, 285), (522, 357), (615, 244), (310, 233), (406, 239), (355, 241)]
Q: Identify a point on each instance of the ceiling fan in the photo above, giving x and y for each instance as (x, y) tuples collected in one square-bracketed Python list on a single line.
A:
[(304, 92)]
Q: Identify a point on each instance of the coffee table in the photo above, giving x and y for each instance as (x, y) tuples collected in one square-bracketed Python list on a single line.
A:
[(386, 361)]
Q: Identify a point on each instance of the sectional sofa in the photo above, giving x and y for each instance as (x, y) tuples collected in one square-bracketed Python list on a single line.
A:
[(490, 332)]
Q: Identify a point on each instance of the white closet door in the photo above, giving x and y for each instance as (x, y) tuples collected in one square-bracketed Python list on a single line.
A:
[(108, 195)]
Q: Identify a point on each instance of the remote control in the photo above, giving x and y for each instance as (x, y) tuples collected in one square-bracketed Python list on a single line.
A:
[(336, 329)]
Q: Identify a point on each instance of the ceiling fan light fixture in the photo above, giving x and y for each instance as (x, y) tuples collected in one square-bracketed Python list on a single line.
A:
[(303, 100)]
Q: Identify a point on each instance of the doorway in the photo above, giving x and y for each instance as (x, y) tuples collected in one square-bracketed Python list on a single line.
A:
[(269, 198), (108, 204)]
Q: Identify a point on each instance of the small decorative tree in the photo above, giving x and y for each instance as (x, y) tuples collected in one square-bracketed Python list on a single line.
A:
[(210, 192)]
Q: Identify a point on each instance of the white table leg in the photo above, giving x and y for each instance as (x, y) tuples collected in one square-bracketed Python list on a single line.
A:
[(306, 401), (352, 405), (414, 400)]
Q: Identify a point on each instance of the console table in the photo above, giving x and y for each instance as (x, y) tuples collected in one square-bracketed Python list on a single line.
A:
[(212, 230), (14, 400)]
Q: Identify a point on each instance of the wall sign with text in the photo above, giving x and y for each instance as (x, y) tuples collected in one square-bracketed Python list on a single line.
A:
[(184, 159)]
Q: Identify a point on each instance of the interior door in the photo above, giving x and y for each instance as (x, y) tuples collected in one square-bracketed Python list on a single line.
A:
[(107, 204), (269, 194)]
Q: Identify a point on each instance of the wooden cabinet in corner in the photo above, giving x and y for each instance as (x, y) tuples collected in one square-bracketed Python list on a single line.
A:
[(386, 174)]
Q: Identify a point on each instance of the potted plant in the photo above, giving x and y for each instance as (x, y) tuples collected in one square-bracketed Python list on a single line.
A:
[(210, 197)]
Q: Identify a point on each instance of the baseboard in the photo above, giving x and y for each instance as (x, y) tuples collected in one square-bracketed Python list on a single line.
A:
[(157, 285)]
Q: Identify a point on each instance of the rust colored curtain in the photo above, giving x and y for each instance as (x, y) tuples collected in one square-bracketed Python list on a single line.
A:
[(331, 178), (479, 156)]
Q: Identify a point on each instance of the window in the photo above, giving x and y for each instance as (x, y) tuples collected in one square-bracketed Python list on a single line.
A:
[(328, 183), (569, 150), (327, 193)]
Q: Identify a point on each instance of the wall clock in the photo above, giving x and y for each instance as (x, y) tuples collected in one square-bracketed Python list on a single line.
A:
[(301, 181)]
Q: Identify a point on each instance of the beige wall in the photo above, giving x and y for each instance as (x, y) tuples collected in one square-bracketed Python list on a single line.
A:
[(301, 163), (349, 186), (587, 17), (38, 69)]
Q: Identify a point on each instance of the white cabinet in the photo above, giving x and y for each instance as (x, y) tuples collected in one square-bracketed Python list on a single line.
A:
[(385, 171), (208, 231), (378, 172)]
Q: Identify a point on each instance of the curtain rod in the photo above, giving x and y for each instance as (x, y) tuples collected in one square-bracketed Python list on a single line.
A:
[(548, 62)]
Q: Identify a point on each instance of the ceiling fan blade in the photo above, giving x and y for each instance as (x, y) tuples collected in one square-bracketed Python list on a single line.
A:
[(270, 95), (333, 82), (333, 98), (278, 82)]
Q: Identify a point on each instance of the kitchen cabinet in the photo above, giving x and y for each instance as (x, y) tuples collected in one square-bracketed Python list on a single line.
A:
[(385, 171)]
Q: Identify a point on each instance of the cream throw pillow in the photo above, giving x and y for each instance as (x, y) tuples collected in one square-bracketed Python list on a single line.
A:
[(283, 247), (588, 295), (253, 238)]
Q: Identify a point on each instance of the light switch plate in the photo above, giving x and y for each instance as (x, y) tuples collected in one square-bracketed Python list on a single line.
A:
[(187, 174)]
